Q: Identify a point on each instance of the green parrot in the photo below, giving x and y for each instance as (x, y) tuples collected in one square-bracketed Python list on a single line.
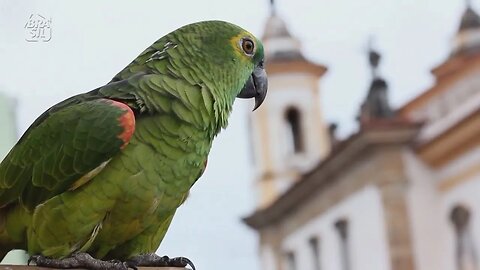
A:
[(96, 179)]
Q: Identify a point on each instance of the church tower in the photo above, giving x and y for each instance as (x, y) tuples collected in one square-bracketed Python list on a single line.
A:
[(289, 135), (468, 35)]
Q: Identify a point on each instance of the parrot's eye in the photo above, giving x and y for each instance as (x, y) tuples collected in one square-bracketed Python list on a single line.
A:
[(248, 46)]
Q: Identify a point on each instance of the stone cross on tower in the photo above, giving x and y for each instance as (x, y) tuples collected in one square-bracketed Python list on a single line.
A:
[(373, 59), (467, 39), (376, 105), (272, 7)]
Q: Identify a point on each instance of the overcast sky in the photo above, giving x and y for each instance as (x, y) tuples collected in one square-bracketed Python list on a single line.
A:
[(93, 40)]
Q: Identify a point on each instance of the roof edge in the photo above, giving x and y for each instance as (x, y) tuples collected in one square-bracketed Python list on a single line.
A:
[(384, 132)]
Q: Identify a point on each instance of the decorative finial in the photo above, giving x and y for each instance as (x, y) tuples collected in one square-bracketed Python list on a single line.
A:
[(373, 58), (272, 7), (376, 105), (468, 3)]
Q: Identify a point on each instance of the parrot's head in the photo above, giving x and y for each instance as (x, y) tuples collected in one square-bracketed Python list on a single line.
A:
[(226, 57)]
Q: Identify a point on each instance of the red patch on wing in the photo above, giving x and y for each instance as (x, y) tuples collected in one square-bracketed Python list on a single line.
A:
[(126, 121)]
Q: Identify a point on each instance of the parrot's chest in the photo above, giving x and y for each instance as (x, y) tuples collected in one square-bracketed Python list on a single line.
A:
[(158, 170), (134, 195), (146, 182)]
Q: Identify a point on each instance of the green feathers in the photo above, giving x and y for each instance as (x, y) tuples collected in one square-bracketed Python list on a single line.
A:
[(104, 171), (206, 56)]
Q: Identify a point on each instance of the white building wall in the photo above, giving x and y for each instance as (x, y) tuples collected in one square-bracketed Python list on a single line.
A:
[(267, 258), (367, 235), (430, 208), (423, 208), (467, 194)]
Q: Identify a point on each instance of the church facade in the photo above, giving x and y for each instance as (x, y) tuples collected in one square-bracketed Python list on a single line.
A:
[(399, 194)]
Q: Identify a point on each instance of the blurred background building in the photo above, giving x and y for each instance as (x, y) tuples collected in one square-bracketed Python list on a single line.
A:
[(400, 193)]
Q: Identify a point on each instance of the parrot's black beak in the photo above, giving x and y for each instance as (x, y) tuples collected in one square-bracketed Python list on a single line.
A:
[(256, 86)]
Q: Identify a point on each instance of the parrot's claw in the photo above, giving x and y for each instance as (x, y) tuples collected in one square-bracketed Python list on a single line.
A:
[(153, 259), (79, 260)]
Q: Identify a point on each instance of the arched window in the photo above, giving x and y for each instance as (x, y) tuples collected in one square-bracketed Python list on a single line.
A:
[(315, 251), (294, 130), (291, 261), (465, 254), (343, 232)]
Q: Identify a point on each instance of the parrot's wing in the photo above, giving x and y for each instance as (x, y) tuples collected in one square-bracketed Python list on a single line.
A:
[(63, 148)]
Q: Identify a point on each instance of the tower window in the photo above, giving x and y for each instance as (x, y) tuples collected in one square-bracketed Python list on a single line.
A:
[(315, 250), (342, 229), (291, 261), (465, 254), (294, 130)]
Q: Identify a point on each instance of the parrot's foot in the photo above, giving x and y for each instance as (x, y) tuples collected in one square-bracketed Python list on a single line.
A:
[(153, 259), (79, 260)]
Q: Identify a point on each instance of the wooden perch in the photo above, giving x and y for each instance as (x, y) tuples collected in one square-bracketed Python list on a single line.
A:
[(33, 267)]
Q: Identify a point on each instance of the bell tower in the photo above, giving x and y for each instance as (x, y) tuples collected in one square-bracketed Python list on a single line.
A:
[(289, 135), (467, 39)]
